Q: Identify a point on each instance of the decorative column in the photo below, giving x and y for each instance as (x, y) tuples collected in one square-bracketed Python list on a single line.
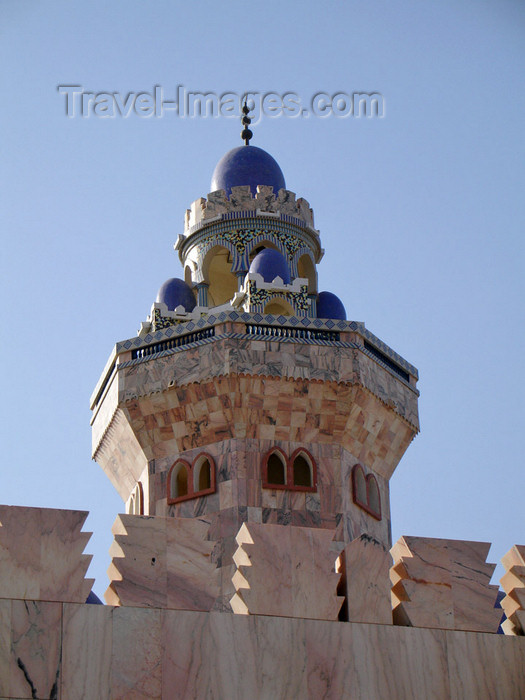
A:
[(312, 309), (202, 293), (241, 274)]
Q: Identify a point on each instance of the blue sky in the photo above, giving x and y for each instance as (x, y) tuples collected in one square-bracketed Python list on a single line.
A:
[(421, 214)]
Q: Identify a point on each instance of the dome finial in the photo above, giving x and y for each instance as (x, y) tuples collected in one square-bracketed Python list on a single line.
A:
[(246, 134)]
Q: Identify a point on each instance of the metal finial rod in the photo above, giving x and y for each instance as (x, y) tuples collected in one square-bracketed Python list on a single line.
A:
[(246, 134)]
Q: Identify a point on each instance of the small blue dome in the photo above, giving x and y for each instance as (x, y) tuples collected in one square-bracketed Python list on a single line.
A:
[(175, 292), (330, 306), (270, 264), (93, 599), (247, 165)]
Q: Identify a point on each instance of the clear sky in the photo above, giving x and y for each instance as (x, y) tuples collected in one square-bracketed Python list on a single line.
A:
[(421, 213)]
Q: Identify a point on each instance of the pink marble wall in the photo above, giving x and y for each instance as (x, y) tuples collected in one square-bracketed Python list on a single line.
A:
[(86, 652)]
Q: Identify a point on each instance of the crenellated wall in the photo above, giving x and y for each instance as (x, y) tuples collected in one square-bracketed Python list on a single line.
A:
[(241, 200), (312, 615)]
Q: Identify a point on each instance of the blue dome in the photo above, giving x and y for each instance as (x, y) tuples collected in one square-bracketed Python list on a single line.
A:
[(93, 599), (270, 264), (247, 165), (175, 292), (330, 306)]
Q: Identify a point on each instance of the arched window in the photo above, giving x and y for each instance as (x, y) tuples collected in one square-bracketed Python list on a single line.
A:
[(202, 474), (302, 471), (136, 501), (218, 273), (276, 469), (366, 492), (359, 485), (297, 473), (194, 480), (279, 306), (306, 268), (261, 245), (374, 501), (178, 480)]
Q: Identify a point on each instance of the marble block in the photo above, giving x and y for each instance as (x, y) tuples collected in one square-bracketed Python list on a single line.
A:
[(365, 564), (375, 662), (513, 583), (485, 666), (162, 563), (86, 652), (232, 657), (41, 554), (137, 571), (95, 652), (443, 583), (286, 571), (193, 578), (136, 656), (36, 646)]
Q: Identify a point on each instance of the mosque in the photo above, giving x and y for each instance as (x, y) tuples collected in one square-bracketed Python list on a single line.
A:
[(251, 430)]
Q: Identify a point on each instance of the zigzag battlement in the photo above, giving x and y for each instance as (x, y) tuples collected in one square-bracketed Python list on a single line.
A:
[(265, 202)]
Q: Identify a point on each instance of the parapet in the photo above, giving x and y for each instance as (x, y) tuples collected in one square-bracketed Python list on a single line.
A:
[(265, 202), (41, 554), (443, 584), (513, 583)]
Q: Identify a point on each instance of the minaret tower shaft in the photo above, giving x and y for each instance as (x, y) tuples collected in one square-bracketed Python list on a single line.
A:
[(248, 396)]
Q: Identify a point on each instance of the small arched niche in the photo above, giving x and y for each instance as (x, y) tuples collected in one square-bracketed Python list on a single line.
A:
[(366, 492), (374, 499), (278, 307), (359, 485), (306, 268), (258, 247), (302, 470), (136, 502), (218, 273), (178, 480), (276, 469), (202, 474)]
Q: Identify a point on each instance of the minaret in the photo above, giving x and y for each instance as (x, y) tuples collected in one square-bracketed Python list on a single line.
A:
[(247, 396)]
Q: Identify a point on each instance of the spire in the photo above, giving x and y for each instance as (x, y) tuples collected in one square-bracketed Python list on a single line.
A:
[(246, 134)]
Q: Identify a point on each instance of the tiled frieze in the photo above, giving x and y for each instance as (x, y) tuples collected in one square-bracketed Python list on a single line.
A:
[(206, 320), (240, 238), (269, 357)]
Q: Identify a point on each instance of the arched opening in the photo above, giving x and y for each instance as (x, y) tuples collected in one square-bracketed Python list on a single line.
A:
[(302, 471), (222, 281), (279, 307), (261, 246), (202, 475), (359, 485), (374, 500), (131, 505), (306, 268), (276, 469), (366, 492), (178, 480), (139, 499)]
